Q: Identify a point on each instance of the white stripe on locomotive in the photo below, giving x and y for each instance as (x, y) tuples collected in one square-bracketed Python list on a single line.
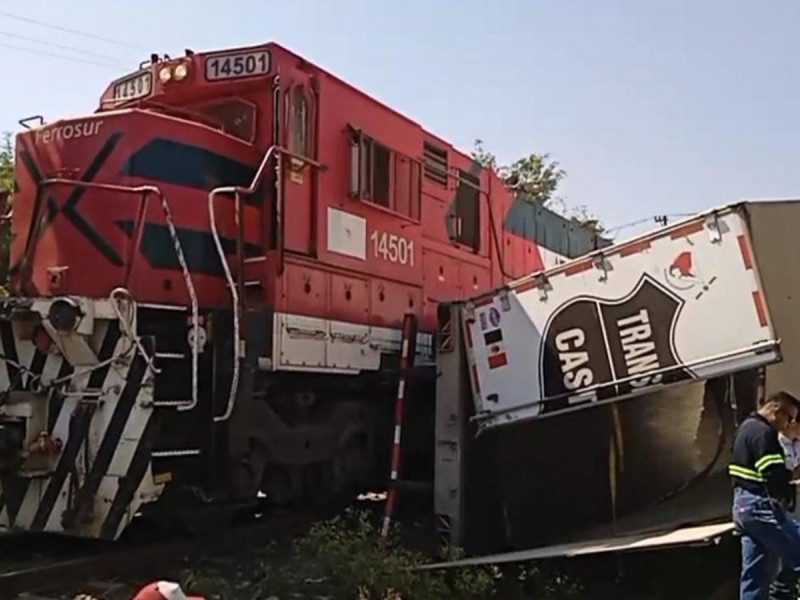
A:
[(52, 365), (121, 461), (146, 487), (98, 427), (25, 352), (30, 504)]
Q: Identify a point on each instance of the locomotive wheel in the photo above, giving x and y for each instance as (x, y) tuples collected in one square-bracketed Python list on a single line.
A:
[(340, 477), (328, 486), (282, 485)]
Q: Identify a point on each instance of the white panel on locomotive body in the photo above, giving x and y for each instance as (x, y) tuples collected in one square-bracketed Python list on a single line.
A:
[(347, 233), (683, 303)]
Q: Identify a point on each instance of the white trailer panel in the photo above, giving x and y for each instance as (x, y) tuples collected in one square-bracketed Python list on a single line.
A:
[(684, 302)]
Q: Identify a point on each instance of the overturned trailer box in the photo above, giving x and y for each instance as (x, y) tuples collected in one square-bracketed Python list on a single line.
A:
[(597, 400)]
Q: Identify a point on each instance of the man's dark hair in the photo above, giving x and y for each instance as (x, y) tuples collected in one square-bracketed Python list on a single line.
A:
[(783, 397)]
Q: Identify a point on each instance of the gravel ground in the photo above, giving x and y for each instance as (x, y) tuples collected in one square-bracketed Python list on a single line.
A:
[(258, 572), (342, 561)]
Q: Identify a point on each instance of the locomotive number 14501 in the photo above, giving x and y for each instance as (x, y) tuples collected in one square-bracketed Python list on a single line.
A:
[(391, 247)]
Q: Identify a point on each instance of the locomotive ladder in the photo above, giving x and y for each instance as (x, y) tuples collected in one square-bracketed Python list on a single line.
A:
[(237, 285)]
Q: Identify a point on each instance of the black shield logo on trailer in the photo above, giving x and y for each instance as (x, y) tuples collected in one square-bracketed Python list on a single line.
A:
[(592, 341)]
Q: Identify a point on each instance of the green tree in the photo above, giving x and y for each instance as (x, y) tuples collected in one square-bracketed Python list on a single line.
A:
[(535, 178), (580, 214), (6, 200), (6, 163), (484, 157)]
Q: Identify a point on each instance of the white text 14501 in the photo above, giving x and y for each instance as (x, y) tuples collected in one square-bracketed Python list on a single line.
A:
[(391, 247)]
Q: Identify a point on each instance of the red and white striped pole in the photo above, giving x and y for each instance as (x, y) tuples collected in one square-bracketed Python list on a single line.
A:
[(407, 352)]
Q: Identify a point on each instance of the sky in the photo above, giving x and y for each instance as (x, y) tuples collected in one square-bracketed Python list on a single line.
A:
[(651, 107)]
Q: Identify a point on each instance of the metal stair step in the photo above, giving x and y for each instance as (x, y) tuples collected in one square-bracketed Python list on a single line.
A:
[(170, 403), (181, 453), (249, 283), (170, 355)]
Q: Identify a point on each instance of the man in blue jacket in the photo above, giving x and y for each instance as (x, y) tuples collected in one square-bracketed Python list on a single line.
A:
[(764, 496)]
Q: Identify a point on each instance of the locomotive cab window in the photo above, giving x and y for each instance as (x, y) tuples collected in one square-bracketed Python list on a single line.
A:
[(384, 177), (236, 117)]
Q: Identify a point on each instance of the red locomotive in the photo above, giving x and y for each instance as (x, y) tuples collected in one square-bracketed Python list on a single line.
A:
[(208, 279)]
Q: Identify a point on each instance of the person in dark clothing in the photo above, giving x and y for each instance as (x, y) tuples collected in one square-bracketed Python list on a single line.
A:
[(763, 498)]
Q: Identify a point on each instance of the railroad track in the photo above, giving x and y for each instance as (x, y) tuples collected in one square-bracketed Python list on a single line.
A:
[(146, 559)]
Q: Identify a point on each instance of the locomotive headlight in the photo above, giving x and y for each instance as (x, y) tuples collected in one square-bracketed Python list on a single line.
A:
[(165, 74), (64, 314), (180, 72)]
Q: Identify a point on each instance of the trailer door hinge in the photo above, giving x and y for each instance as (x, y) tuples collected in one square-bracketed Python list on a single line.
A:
[(542, 284), (469, 311), (601, 264), (714, 228), (505, 303)]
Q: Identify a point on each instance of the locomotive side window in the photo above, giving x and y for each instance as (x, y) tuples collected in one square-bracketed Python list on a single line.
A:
[(406, 186), (384, 177), (466, 217), (372, 175), (236, 117), (381, 175), (374, 171)]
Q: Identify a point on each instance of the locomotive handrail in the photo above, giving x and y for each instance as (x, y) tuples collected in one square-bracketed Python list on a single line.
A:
[(145, 191), (232, 284)]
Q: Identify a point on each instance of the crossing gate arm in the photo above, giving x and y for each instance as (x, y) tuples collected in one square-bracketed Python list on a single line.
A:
[(702, 535)]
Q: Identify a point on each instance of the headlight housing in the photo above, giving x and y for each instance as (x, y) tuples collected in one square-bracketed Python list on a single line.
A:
[(64, 314), (180, 72), (165, 74)]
